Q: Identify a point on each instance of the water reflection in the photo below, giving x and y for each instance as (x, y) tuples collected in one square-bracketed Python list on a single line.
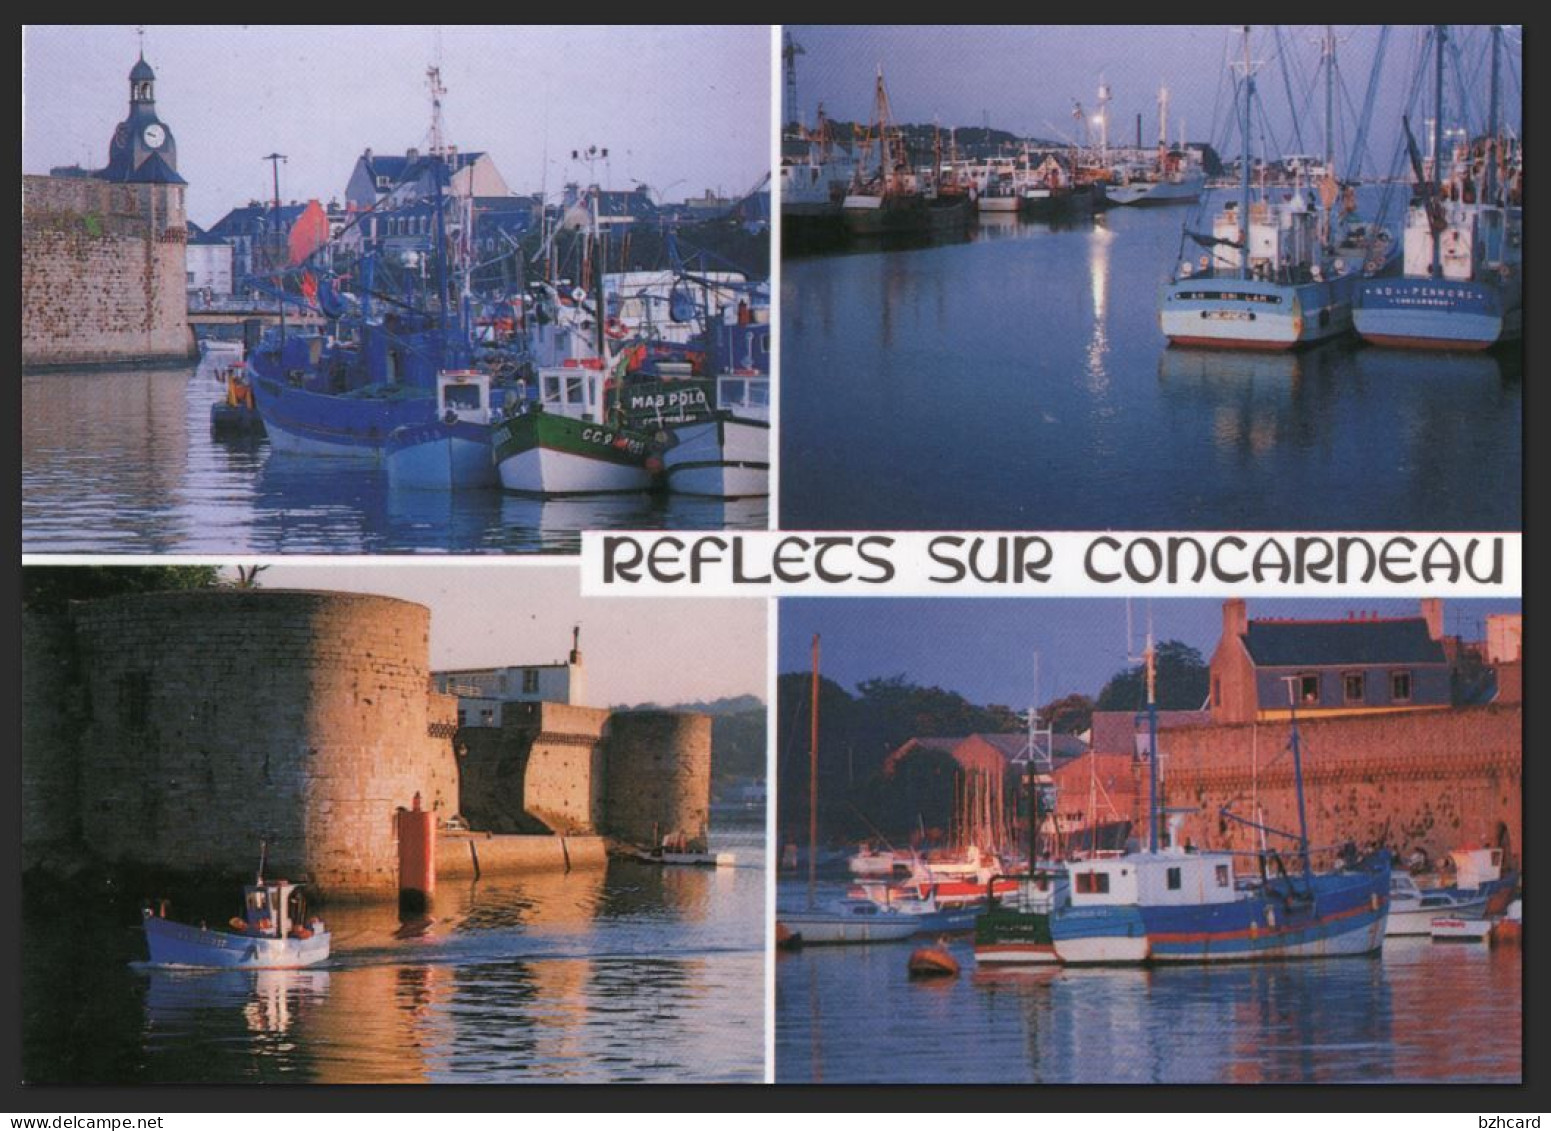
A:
[(124, 462), (1021, 381), (852, 1014)]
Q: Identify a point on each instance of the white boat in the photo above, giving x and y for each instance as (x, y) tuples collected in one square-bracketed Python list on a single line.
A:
[(1412, 909), (728, 456), (271, 933), (452, 450), (568, 443), (1454, 928), (849, 921)]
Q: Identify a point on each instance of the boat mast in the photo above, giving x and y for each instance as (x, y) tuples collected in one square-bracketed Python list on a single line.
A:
[(275, 236), (1330, 100), (1297, 753), (1494, 123), (813, 777), (1249, 96), (1442, 34), (1150, 657)]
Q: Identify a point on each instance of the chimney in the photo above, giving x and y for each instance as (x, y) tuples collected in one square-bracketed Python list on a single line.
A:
[(1235, 621), (1432, 613)]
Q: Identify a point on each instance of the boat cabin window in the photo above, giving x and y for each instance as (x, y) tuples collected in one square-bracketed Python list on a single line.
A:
[(1093, 883), (1222, 875), (462, 396), (575, 391), (552, 389), (759, 392), (1172, 879), (734, 393)]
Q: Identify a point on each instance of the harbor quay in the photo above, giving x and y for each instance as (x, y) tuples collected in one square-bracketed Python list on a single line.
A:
[(169, 734)]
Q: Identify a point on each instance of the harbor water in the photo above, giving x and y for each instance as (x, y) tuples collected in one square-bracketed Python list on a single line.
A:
[(633, 974), (1421, 1012), (1019, 380), (124, 463)]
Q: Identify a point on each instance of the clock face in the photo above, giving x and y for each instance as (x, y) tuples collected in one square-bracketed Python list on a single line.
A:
[(154, 135)]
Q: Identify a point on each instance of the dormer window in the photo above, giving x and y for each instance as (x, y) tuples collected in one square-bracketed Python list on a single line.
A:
[(383, 183), (1353, 686), (1400, 687)]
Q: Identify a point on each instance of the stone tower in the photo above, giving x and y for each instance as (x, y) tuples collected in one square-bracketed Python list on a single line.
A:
[(142, 150)]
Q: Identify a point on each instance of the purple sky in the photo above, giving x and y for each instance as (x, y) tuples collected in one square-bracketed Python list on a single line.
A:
[(681, 108), (984, 648), (1026, 79)]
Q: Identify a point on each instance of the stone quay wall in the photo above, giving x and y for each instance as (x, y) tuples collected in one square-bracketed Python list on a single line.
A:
[(103, 273), (1435, 780)]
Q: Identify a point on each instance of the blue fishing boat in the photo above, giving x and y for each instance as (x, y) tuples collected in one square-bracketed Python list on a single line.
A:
[(453, 449), (1175, 905), (1276, 272), (1462, 280), (273, 932)]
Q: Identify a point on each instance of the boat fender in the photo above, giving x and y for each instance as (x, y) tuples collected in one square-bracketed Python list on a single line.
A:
[(1271, 917), (300, 932), (266, 925), (614, 328), (237, 924), (450, 417), (1373, 901)]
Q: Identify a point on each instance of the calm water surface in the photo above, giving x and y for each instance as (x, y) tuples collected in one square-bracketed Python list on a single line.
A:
[(1020, 381), (633, 974), (1422, 1012), (124, 463)]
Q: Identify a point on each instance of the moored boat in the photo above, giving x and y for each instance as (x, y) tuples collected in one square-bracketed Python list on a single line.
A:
[(1015, 930), (453, 449), (1462, 278), (1456, 928), (1412, 909)]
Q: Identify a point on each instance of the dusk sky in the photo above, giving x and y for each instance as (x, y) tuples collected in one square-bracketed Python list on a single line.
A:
[(984, 648), (492, 614), (681, 108), (1026, 79)]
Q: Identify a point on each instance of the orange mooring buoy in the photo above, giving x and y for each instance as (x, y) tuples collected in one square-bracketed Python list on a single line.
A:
[(932, 961)]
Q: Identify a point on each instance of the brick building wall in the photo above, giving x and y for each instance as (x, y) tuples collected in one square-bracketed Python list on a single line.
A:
[(1437, 780), (103, 272), (217, 718)]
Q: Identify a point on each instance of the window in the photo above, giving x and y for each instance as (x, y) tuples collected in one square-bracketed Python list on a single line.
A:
[(1400, 687), (1172, 879), (1308, 689), (191, 278), (1352, 686), (530, 681), (1222, 875), (1093, 883)]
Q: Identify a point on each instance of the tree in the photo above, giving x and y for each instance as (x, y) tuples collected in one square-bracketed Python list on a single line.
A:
[(1183, 681), (50, 589), (1070, 714)]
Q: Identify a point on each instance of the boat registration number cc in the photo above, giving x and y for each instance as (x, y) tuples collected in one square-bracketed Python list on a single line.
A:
[(1229, 315)]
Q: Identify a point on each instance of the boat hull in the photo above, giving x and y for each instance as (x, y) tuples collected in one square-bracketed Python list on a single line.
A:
[(441, 456), (1014, 938), (1255, 314), (725, 459), (177, 944), (1404, 920), (355, 426), (821, 929), (1438, 314), (548, 454)]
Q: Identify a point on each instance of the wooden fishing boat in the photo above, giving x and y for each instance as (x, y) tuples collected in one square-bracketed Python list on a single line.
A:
[(271, 933)]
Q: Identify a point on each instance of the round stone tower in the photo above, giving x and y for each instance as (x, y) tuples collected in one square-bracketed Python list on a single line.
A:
[(657, 775), (218, 718)]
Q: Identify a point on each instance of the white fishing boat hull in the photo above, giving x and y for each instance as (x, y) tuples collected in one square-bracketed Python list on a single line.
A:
[(724, 459), (1229, 313), (1457, 929), (1418, 920)]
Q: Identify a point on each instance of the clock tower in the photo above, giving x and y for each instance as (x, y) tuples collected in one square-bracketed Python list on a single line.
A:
[(142, 149)]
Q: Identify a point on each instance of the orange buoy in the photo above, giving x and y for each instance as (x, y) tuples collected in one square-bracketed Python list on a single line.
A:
[(786, 938), (932, 961)]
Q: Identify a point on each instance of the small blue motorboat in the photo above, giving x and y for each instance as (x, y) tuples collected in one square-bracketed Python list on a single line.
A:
[(272, 933)]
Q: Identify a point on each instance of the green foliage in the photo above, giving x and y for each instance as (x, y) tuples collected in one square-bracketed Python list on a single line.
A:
[(738, 746), (1183, 681), (1070, 714), (50, 589)]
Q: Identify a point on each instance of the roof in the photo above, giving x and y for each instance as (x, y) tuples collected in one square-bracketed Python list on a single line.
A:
[(141, 72), (1273, 643), (251, 219), (155, 170), (1115, 732)]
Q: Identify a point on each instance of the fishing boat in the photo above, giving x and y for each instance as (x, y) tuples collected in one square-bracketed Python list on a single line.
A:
[(1015, 930), (1485, 873), (887, 199), (273, 932), (1510, 928), (1457, 928), (1174, 905), (234, 415), (1412, 909), (1277, 272), (452, 450), (1461, 285), (843, 921), (1170, 178), (679, 850)]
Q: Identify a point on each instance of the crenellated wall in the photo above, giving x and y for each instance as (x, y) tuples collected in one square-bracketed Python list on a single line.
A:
[(103, 273), (1436, 779)]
